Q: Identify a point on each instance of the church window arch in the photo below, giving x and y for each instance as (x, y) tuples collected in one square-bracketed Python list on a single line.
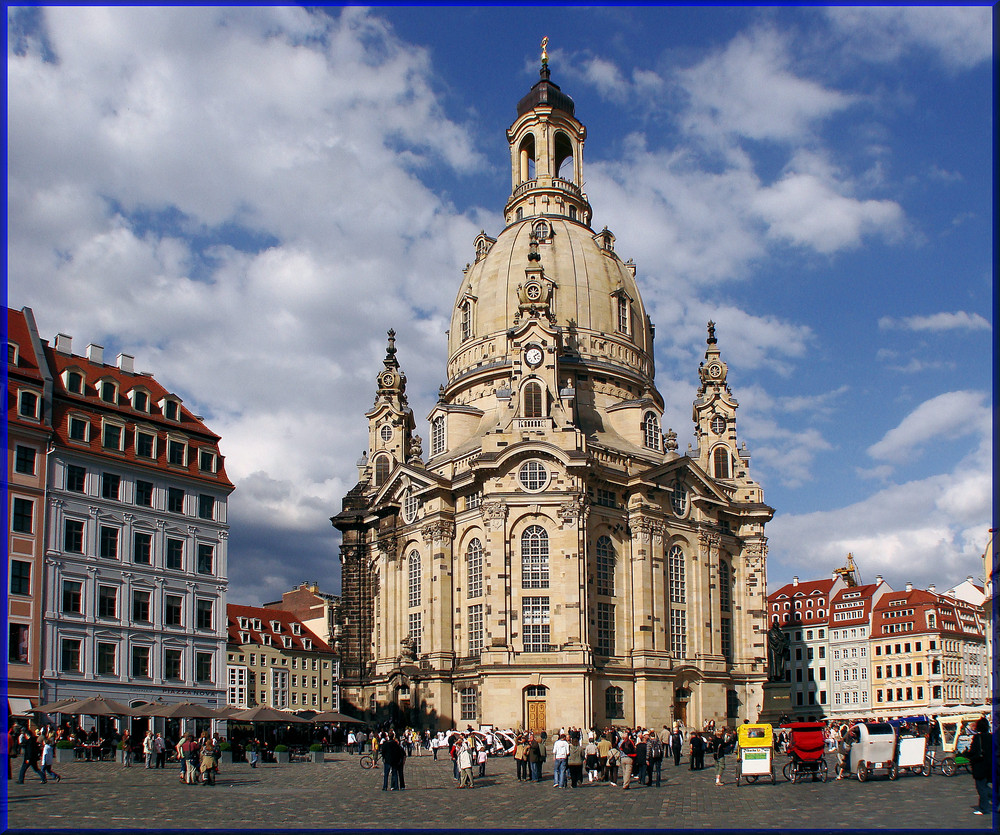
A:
[(679, 499), (413, 568), (614, 703), (605, 551), (720, 462), (651, 431), (411, 504), (381, 469), (535, 558), (437, 435), (526, 158), (519, 214), (677, 580), (572, 212), (474, 568), (563, 147), (533, 406)]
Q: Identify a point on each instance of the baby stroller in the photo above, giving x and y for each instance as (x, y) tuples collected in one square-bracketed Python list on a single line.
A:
[(805, 754)]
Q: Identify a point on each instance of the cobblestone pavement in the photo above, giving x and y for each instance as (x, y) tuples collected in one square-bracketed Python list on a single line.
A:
[(339, 794)]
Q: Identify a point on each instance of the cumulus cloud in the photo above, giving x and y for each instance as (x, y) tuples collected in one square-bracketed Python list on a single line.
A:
[(961, 320), (946, 416), (960, 36), (233, 195), (749, 88)]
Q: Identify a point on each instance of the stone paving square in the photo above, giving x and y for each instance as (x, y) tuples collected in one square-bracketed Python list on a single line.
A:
[(340, 795)]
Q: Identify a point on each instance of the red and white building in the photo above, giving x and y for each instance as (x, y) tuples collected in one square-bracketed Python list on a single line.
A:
[(134, 531)]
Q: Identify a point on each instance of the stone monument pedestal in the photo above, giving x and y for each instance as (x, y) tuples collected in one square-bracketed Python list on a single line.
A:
[(777, 701)]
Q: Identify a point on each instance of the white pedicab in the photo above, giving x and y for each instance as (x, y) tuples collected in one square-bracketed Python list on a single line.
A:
[(874, 747)]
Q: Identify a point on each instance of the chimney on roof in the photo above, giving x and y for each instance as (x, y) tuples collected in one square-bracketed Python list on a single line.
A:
[(795, 581), (878, 579), (932, 588), (95, 353), (64, 344), (126, 362), (909, 586)]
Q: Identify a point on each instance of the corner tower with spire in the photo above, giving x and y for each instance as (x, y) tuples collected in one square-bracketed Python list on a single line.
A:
[(555, 561)]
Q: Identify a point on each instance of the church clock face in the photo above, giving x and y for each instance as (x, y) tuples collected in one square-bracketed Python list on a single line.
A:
[(715, 371), (533, 291), (388, 379), (533, 356)]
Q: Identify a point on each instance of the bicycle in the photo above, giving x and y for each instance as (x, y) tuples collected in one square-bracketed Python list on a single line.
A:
[(369, 760)]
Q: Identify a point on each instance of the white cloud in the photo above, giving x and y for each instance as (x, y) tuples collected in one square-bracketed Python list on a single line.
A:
[(231, 195), (960, 320), (949, 415), (749, 88), (961, 36)]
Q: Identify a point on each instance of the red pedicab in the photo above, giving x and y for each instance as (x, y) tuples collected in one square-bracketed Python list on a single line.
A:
[(805, 754)]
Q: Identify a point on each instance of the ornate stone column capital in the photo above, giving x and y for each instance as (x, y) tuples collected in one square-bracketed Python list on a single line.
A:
[(438, 531), (494, 514)]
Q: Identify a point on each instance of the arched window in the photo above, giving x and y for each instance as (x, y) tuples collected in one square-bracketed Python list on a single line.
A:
[(651, 431), (721, 459), (526, 158), (679, 499), (572, 212), (725, 587), (466, 320), (614, 703), (605, 551), (474, 566), (535, 558), (381, 470), (675, 566), (437, 435), (519, 214), (411, 504), (533, 400), (564, 156), (413, 568)]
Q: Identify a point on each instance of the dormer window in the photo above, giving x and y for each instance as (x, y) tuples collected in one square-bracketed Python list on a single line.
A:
[(108, 390), (265, 639), (145, 444), (177, 452), (79, 429), (206, 460), (13, 353), (296, 628), (244, 622), (74, 381), (307, 644), (275, 625), (171, 409), (286, 641), (140, 400), (257, 624), (244, 637)]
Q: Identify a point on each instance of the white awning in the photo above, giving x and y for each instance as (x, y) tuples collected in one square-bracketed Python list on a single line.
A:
[(18, 706)]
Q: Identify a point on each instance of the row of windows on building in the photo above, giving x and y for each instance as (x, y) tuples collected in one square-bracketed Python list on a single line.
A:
[(108, 544), (243, 684), (141, 493), (141, 661)]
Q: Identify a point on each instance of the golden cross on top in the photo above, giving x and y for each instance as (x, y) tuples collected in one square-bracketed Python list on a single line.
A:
[(545, 55)]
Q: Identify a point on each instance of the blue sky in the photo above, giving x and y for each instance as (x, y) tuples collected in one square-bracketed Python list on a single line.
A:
[(246, 199)]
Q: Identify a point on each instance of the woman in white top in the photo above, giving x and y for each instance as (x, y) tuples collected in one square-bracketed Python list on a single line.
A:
[(48, 756)]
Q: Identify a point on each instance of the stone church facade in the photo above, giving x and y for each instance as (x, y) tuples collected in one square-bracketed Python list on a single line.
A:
[(555, 561)]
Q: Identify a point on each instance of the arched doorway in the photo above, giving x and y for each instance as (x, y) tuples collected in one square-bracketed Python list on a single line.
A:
[(535, 708)]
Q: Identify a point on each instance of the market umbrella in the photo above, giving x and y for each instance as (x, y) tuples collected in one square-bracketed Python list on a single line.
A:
[(262, 713), (53, 707), (97, 706), (178, 710), (333, 716), (227, 712)]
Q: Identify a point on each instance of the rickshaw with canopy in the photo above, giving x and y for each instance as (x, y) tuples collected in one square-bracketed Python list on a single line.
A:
[(805, 753), (754, 752)]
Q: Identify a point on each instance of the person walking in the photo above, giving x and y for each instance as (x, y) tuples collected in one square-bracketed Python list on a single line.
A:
[(614, 759), (719, 753), (604, 747), (981, 762), (534, 759), (126, 746), (48, 756), (627, 749), (31, 751), (590, 757), (189, 755), (641, 754), (676, 743), (560, 750), (574, 760), (654, 758), (160, 751), (253, 753), (465, 761), (843, 753), (697, 751), (147, 749), (209, 761)]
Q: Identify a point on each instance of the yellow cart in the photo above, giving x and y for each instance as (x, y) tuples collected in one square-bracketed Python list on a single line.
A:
[(755, 752)]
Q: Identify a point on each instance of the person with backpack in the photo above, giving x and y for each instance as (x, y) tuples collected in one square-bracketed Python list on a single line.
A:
[(654, 761)]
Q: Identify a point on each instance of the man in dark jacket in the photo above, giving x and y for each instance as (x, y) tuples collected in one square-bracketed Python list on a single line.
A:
[(981, 760), (393, 757), (31, 750)]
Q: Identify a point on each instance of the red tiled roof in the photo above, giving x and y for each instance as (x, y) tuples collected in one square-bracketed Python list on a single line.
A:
[(65, 402), (17, 332), (807, 588), (235, 611)]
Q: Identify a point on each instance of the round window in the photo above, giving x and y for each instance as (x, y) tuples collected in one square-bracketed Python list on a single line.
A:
[(385, 433), (718, 424), (533, 476)]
